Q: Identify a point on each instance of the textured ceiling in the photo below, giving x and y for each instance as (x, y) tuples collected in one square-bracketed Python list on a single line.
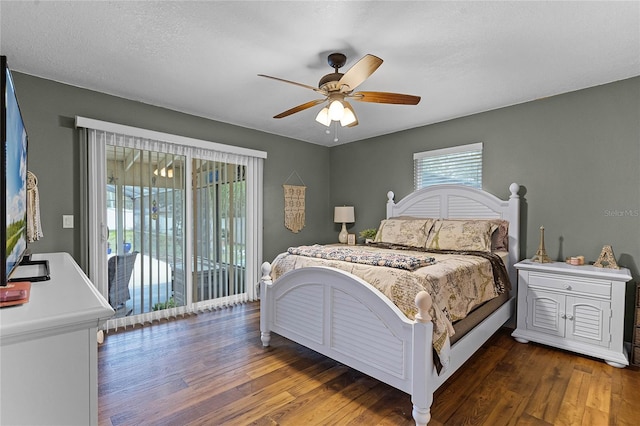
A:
[(203, 58)]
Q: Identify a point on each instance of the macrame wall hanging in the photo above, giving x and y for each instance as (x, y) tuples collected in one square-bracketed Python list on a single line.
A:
[(294, 204), (34, 228)]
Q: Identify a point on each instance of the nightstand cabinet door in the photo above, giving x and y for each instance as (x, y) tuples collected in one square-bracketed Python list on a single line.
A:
[(576, 318), (588, 320), (545, 312), (577, 308)]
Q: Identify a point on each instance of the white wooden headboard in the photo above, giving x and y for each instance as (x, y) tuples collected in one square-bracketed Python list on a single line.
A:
[(463, 202)]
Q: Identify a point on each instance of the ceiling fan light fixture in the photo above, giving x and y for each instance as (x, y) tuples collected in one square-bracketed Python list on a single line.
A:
[(323, 117), (164, 172), (336, 110), (348, 117), (337, 88)]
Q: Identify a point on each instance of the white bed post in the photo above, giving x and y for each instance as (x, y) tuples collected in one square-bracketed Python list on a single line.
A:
[(390, 204), (265, 310), (421, 392), (514, 233)]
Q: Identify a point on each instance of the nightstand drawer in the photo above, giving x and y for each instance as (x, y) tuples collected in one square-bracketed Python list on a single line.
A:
[(583, 286)]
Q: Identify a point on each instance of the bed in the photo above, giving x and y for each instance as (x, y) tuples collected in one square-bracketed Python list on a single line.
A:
[(340, 315)]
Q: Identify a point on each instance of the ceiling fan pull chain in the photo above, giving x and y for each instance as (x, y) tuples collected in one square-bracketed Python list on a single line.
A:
[(335, 139)]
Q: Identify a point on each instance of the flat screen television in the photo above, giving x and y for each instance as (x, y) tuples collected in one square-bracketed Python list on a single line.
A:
[(13, 187)]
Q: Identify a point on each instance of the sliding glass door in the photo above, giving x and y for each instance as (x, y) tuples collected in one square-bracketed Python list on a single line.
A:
[(173, 227), (145, 207), (219, 240)]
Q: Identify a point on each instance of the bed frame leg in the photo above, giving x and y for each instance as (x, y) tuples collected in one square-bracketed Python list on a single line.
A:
[(421, 415), (422, 393), (265, 315), (265, 336)]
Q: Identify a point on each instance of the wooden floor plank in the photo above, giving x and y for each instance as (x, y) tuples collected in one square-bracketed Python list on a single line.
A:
[(625, 398), (506, 410), (211, 369), (575, 398), (461, 386), (599, 396)]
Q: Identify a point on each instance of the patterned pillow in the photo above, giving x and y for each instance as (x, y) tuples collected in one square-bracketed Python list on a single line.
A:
[(461, 235), (500, 237), (407, 232)]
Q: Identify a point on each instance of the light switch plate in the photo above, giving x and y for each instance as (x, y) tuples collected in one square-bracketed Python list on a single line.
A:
[(67, 221)]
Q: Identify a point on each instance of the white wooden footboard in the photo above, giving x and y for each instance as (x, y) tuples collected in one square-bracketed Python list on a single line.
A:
[(345, 318)]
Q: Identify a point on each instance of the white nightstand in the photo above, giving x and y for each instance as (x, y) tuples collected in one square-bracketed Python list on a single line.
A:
[(577, 308)]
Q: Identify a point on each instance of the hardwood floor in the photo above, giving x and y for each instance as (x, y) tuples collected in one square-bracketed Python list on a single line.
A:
[(211, 369)]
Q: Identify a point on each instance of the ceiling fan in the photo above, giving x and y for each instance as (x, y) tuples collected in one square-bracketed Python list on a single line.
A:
[(338, 87)]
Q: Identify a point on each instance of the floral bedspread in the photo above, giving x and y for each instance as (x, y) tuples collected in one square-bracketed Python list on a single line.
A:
[(390, 259), (457, 283)]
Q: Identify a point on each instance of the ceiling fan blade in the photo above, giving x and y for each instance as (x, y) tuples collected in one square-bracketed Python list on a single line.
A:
[(359, 72), (386, 98), (299, 108), (306, 86)]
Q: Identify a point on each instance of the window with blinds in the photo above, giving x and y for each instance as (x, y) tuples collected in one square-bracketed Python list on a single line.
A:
[(460, 165)]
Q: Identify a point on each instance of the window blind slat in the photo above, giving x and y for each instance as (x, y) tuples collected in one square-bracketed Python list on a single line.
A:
[(457, 165)]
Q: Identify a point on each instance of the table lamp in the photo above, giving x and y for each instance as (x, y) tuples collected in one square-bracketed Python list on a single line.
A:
[(344, 215)]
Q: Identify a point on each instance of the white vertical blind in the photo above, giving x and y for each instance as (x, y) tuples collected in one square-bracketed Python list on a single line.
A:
[(461, 165), (204, 270)]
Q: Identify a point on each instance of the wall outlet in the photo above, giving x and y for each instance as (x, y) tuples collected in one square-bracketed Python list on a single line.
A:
[(67, 221)]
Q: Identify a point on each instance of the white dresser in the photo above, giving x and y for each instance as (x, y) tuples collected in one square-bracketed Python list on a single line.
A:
[(48, 350), (577, 308)]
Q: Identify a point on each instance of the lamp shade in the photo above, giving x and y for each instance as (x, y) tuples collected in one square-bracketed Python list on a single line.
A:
[(344, 214), (323, 117), (336, 110), (348, 118)]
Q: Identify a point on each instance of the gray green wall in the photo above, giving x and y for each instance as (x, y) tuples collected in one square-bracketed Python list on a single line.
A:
[(576, 156), (49, 110)]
